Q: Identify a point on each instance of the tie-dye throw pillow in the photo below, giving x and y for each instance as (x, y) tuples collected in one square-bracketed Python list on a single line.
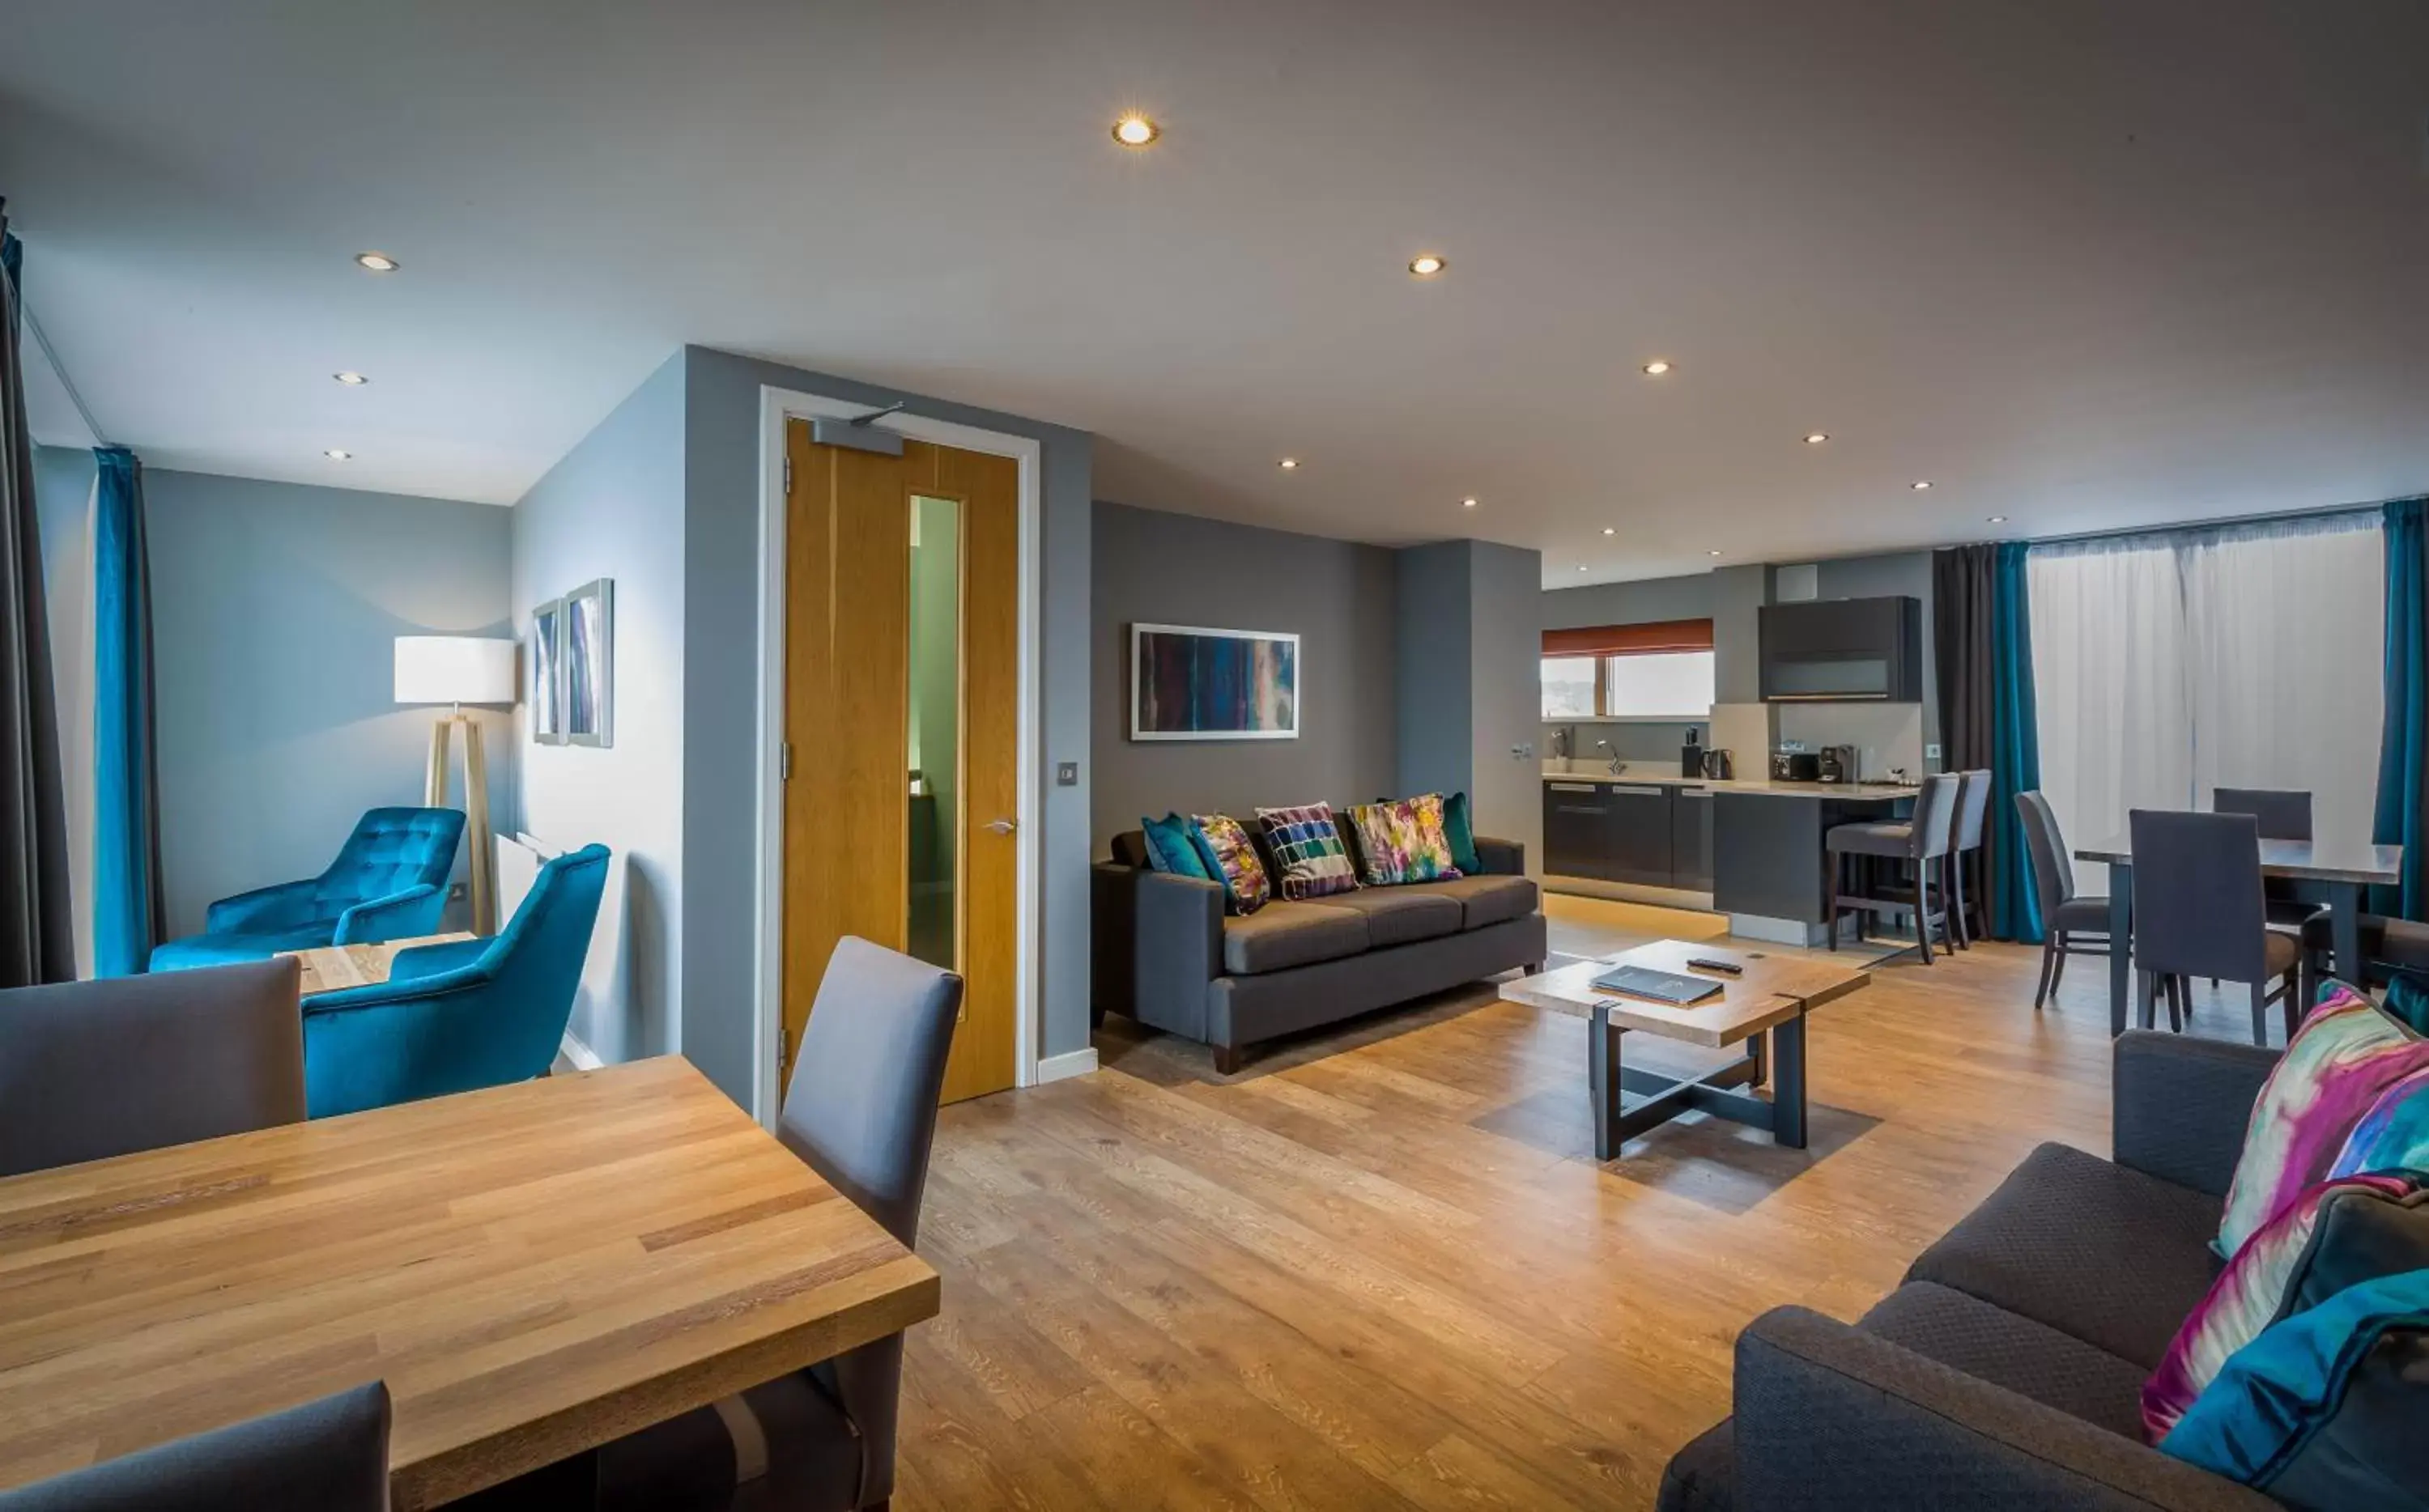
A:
[(1402, 841), (1234, 861), (1307, 845), (2342, 1059), (2394, 1134)]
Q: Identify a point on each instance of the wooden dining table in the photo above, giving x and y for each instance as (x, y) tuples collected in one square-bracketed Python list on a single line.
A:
[(534, 1270), (2340, 869)]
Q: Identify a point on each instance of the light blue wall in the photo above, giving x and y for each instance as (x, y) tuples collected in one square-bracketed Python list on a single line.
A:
[(720, 556), (274, 609), (613, 507)]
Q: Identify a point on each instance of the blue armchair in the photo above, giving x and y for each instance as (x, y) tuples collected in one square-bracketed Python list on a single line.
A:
[(464, 1014), (390, 882)]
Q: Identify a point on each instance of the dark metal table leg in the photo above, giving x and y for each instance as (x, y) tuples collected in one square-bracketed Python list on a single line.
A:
[(2121, 941), (1602, 1075), (2344, 917), (1757, 1051), (1788, 1083)]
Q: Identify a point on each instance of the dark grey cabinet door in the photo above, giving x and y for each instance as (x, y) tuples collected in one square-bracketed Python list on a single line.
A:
[(1640, 827), (1691, 840), (1578, 830)]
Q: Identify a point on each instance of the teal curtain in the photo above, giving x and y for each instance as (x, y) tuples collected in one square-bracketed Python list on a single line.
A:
[(2016, 750), (126, 909), (2404, 732)]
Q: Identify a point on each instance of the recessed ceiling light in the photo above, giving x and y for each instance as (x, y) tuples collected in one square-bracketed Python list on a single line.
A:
[(1921, 484), (1609, 530), (377, 262), (1467, 503), (1581, 567), (1656, 367), (352, 380), (1426, 265), (1288, 464), (1711, 553), (1817, 438), (338, 453), (1998, 520), (1135, 130)]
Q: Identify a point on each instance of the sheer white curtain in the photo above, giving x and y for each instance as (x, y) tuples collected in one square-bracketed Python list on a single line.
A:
[(2247, 656)]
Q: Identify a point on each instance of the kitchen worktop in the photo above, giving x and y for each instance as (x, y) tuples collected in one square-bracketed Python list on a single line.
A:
[(1744, 784)]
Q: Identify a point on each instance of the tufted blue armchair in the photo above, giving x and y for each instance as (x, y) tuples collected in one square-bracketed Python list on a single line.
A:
[(390, 882), (464, 1014)]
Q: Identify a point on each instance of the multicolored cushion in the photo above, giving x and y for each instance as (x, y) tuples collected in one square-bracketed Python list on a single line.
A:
[(1233, 861), (1460, 829), (2408, 998), (1401, 840), (2393, 1135), (2261, 1284), (2343, 1058), (1307, 847), (1170, 849)]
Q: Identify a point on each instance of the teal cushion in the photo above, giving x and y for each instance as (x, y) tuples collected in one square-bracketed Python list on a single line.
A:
[(1461, 832), (2318, 1410), (2408, 998), (1171, 848)]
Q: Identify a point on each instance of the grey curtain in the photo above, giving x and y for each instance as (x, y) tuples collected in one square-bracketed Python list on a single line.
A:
[(37, 927)]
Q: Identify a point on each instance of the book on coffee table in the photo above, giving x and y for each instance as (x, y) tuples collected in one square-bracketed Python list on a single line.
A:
[(1659, 986)]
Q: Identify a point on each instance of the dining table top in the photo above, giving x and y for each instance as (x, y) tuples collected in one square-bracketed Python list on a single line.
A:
[(2313, 861), (534, 1270)]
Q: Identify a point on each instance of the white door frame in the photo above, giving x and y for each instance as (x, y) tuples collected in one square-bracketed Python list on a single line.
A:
[(776, 407)]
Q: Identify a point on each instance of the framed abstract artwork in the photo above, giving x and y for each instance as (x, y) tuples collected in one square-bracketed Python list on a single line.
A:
[(1189, 682), (547, 691), (588, 663)]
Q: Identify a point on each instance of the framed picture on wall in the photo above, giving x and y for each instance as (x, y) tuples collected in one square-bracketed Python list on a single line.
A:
[(589, 661), (547, 691), (1190, 682)]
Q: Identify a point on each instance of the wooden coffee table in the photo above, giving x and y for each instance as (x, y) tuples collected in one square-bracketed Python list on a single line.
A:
[(1767, 1003)]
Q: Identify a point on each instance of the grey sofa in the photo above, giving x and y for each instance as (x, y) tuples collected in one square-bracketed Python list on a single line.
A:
[(2007, 1371), (1167, 955)]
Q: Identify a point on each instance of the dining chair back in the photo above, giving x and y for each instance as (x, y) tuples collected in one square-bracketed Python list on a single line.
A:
[(329, 1456), (2281, 815), (2200, 911), (93, 1069), (2045, 844)]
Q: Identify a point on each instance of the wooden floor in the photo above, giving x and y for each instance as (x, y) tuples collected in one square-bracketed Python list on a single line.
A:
[(1380, 1268)]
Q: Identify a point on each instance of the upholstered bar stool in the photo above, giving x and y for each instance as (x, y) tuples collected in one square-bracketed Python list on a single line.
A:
[(1921, 841), (1973, 799)]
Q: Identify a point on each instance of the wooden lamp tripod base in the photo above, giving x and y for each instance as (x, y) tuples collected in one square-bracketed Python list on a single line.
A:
[(482, 864)]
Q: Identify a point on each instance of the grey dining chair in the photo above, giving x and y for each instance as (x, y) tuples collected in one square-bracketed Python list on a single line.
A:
[(1921, 841), (2281, 815), (2199, 911), (93, 1069), (862, 1113), (2072, 923), (1972, 804), (329, 1456)]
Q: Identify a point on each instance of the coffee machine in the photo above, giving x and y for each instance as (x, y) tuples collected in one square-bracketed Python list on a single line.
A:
[(1838, 765)]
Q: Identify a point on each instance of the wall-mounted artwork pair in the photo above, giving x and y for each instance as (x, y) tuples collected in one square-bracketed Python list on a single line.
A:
[(572, 665), (1192, 683)]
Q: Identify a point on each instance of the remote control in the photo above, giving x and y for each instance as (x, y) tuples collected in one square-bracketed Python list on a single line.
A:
[(1732, 968)]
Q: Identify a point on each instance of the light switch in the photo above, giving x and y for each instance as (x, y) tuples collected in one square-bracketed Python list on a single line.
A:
[(1066, 774)]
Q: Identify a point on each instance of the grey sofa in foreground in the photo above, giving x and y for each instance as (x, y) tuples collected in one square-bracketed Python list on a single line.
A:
[(2007, 1371), (1167, 956)]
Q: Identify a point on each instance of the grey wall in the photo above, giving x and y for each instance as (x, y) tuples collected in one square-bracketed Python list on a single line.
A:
[(1178, 569), (720, 566), (274, 610), (1470, 693), (613, 507), (1436, 695)]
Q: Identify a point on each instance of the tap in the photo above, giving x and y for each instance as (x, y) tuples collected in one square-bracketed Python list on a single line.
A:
[(1617, 765)]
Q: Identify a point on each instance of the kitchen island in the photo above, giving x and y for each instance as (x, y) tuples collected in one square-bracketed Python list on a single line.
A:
[(1749, 845)]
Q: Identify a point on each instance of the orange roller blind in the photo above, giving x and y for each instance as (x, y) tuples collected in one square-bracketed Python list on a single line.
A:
[(1623, 640)]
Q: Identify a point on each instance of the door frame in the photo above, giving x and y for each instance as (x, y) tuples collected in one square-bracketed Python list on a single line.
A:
[(777, 408)]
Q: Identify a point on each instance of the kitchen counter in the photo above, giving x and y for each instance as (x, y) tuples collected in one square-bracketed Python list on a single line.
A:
[(1742, 784)]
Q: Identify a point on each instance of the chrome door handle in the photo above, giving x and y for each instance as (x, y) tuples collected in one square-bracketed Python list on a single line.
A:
[(1001, 827)]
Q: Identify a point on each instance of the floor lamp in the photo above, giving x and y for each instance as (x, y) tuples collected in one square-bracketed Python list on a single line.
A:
[(457, 671)]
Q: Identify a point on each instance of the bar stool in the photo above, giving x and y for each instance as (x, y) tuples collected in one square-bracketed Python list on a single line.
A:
[(1973, 799), (1921, 841)]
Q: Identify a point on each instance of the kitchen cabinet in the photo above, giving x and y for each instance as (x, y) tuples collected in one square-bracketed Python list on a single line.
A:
[(1577, 839), (1640, 834), (1691, 839), (1841, 650), (1613, 830)]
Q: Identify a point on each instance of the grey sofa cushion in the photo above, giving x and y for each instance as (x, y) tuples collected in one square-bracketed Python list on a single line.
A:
[(2007, 1349), (1702, 1477), (2114, 1258), (1281, 935), (1486, 899), (1402, 915), (1246, 1009)]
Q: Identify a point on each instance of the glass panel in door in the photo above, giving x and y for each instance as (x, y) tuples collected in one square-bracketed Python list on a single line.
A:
[(936, 730)]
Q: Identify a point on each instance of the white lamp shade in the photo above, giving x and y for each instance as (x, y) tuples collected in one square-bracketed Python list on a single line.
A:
[(455, 669)]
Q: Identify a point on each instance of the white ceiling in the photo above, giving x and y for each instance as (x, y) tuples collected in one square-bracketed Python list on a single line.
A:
[(2082, 263)]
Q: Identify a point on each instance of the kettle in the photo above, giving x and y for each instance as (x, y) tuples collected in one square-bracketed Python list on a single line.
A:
[(1718, 766)]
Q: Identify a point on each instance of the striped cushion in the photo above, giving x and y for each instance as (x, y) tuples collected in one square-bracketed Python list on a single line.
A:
[(1308, 849)]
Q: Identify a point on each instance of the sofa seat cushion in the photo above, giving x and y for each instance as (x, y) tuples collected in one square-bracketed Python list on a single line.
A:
[(222, 949), (1285, 935), (1487, 900), (2007, 1349), (1702, 1477), (2114, 1258), (1403, 915)]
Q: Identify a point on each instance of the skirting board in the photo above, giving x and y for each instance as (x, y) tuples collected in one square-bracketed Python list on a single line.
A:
[(1071, 1063), (577, 1056)]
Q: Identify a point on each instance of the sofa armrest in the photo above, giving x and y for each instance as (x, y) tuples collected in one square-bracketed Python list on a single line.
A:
[(416, 911), (2180, 1106), (263, 910), (1501, 858), (1158, 943), (1829, 1417)]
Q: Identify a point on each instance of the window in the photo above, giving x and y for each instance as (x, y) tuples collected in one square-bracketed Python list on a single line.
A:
[(1655, 671)]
